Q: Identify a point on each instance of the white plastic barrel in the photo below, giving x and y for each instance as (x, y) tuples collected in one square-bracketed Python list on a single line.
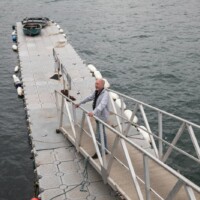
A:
[(92, 68), (14, 47), (61, 30), (97, 75), (144, 133), (14, 33), (15, 79), (114, 96), (107, 84), (128, 114), (118, 102), (16, 69), (20, 91)]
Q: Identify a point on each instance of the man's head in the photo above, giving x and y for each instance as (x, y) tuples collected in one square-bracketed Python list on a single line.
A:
[(99, 84)]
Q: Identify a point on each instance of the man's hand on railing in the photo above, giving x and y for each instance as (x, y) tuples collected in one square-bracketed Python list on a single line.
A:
[(90, 114)]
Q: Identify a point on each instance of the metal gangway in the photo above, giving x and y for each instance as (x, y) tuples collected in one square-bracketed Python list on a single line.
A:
[(127, 167), (137, 161)]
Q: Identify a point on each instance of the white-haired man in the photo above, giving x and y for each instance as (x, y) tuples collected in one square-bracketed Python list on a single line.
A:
[(100, 107)]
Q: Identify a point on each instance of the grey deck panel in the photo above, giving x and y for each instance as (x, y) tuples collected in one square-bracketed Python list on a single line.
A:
[(59, 167)]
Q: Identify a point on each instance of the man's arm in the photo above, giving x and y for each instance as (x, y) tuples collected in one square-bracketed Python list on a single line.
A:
[(87, 99)]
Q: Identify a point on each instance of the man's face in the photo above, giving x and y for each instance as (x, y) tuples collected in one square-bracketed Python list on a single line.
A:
[(99, 85)]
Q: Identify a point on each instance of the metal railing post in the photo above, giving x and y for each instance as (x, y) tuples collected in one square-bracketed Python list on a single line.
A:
[(70, 119), (146, 177), (103, 151), (194, 140), (74, 114), (115, 111), (190, 193), (102, 141), (61, 113), (96, 146), (176, 138), (131, 119), (131, 169), (79, 136), (122, 113), (160, 134), (148, 129), (174, 190)]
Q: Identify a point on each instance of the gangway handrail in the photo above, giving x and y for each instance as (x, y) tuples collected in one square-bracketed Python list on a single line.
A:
[(146, 155), (154, 108), (171, 146), (158, 138)]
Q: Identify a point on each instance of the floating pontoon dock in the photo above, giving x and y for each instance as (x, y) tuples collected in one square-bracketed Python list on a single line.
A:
[(134, 166)]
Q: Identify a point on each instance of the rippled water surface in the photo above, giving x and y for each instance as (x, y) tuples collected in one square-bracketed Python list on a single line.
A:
[(147, 49)]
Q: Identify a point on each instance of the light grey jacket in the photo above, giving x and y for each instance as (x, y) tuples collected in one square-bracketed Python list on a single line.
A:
[(102, 104)]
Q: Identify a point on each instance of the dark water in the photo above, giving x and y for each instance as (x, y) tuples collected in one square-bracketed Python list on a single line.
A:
[(147, 49)]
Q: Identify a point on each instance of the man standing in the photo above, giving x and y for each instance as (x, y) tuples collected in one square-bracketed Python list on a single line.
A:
[(100, 107)]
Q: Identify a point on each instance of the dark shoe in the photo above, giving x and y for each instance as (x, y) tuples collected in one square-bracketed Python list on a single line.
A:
[(94, 156)]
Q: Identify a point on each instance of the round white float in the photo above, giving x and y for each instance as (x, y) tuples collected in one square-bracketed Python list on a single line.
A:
[(97, 75), (128, 114), (144, 133), (64, 35), (92, 68), (58, 26), (61, 31), (14, 33), (118, 102), (114, 96), (14, 47), (16, 69), (15, 79), (107, 84), (20, 91)]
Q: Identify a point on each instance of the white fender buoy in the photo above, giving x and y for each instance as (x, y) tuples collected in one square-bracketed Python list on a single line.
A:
[(58, 26), (92, 68), (64, 35), (14, 33), (144, 133), (16, 69), (128, 114), (107, 84), (97, 75), (118, 102), (16, 80), (14, 47), (61, 31), (114, 96), (20, 91)]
